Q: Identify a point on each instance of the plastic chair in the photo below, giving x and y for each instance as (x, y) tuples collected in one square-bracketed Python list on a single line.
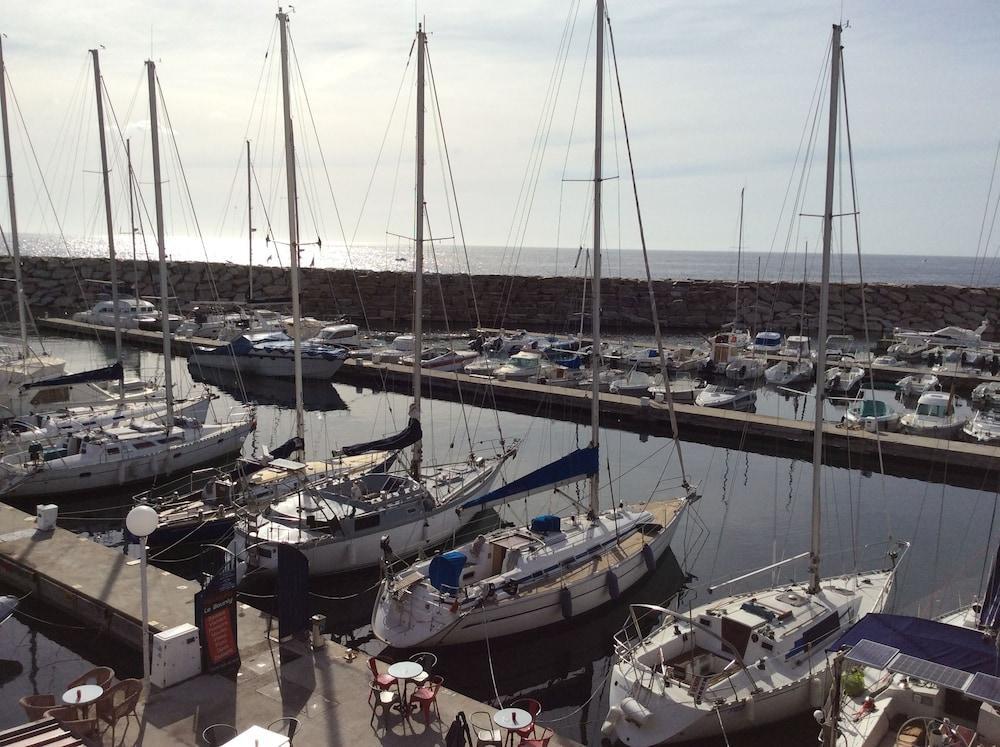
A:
[(117, 703), (428, 661), (218, 734), (385, 681), (379, 698), (69, 718), (484, 730), (426, 696), (97, 676), (533, 707), (540, 740), (35, 706), (285, 725)]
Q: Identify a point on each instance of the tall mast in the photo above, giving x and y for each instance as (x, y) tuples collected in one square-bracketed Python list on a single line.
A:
[(418, 255), (109, 218), (161, 242), (293, 226), (249, 228), (739, 262), (595, 285), (824, 306), (131, 220), (22, 316)]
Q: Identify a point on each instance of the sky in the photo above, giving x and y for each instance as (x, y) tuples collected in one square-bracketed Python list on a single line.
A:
[(717, 94)]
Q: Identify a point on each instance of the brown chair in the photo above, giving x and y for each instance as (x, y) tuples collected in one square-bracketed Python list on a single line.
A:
[(35, 706), (74, 721), (97, 676), (427, 696), (117, 703)]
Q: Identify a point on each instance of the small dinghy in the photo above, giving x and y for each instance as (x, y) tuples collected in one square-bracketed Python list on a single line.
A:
[(736, 398), (873, 415)]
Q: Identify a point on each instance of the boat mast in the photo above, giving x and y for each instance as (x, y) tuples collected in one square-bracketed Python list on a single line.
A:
[(168, 382), (131, 221), (824, 306), (293, 226), (595, 285), (418, 255), (249, 228), (22, 317), (739, 262), (109, 218)]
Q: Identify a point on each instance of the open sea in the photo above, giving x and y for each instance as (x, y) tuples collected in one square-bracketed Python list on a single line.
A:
[(754, 508), (626, 263)]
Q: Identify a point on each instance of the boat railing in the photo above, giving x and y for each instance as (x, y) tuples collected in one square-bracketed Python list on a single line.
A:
[(182, 488)]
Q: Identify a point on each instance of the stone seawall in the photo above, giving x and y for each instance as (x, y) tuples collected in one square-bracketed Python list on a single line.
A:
[(59, 287)]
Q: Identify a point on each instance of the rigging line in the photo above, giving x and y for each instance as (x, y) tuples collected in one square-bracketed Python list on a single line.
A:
[(454, 190), (986, 210), (989, 540), (645, 257)]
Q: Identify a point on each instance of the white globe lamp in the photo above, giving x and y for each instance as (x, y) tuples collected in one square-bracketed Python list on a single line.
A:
[(142, 522)]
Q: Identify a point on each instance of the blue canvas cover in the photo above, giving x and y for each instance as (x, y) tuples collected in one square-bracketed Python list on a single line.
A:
[(113, 372), (570, 468), (545, 524), (948, 645), (446, 571)]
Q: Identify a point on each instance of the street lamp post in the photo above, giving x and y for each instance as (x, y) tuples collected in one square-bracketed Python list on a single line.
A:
[(142, 522)]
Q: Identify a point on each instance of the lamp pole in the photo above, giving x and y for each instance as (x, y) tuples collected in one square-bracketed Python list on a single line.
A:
[(142, 522)]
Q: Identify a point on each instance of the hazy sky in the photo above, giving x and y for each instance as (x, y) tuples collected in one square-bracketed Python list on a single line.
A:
[(717, 94)]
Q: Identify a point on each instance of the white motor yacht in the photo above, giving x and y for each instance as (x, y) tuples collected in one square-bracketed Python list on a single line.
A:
[(917, 384), (683, 388), (983, 427), (401, 345), (796, 346), (745, 368), (736, 398), (634, 384), (873, 415), (132, 314), (439, 358), (338, 335), (767, 342), (784, 373), (935, 416), (844, 379)]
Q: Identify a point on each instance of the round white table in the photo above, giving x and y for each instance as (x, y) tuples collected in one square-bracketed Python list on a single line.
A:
[(82, 695), (404, 671), (511, 719)]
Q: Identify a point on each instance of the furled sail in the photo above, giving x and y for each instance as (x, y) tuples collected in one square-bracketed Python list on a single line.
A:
[(406, 437), (570, 468), (114, 372), (989, 615)]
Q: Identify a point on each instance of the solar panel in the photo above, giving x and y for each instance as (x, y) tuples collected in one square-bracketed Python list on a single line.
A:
[(871, 654), (928, 671), (985, 687)]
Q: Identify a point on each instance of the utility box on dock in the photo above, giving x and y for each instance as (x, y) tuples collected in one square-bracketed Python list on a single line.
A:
[(176, 656), (45, 516)]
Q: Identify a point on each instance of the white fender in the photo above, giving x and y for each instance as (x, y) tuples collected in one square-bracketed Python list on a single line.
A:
[(817, 694), (635, 712), (609, 725)]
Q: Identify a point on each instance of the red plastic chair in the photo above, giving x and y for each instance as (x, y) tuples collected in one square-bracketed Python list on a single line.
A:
[(427, 695), (541, 740), (384, 681), (533, 707)]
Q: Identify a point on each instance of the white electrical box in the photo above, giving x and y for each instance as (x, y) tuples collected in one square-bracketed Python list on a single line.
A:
[(176, 656), (45, 517)]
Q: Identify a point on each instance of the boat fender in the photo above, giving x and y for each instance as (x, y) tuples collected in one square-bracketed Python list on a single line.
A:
[(635, 712), (750, 710), (608, 727), (613, 590), (566, 602), (510, 586), (817, 694), (649, 557)]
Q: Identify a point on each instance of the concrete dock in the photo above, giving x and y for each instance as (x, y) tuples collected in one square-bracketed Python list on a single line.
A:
[(326, 689)]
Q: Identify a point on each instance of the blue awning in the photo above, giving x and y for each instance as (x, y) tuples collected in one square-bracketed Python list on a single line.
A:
[(570, 468), (446, 571), (114, 372), (948, 645)]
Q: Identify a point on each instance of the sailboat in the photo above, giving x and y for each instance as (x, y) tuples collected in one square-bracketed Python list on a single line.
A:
[(744, 660), (522, 578), (347, 522), (137, 450)]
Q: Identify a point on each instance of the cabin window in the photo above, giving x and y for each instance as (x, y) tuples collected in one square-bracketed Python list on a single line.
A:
[(85, 474), (366, 521), (143, 445), (47, 396), (113, 450)]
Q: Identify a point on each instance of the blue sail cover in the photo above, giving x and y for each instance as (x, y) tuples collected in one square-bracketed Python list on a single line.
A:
[(570, 468), (406, 437), (446, 571), (989, 616), (113, 372), (949, 645)]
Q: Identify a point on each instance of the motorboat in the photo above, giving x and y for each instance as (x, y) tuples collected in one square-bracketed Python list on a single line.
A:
[(843, 379), (338, 335), (745, 368), (133, 313), (522, 366), (634, 384), (767, 342), (983, 427), (908, 351), (917, 384), (270, 354), (987, 393), (796, 346), (838, 346), (784, 373), (395, 351), (874, 415), (935, 416), (606, 376), (736, 398), (683, 388), (484, 366), (887, 360), (946, 336), (439, 358)]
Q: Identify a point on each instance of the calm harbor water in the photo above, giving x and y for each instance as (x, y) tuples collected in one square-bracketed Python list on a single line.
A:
[(754, 508), (628, 263)]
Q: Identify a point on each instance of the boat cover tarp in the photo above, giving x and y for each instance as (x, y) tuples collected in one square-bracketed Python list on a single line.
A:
[(288, 448), (406, 437), (545, 524), (874, 408), (949, 645), (114, 372), (446, 571), (989, 616), (570, 468)]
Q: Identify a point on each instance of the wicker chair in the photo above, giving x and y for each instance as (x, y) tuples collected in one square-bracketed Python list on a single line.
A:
[(35, 706), (117, 703), (97, 676), (72, 720)]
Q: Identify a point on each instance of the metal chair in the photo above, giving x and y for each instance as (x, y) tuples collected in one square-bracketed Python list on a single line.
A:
[(285, 725), (428, 661), (426, 696), (379, 698), (217, 735), (385, 681), (486, 733), (539, 740), (533, 707)]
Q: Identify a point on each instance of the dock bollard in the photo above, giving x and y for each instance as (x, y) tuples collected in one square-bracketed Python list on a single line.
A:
[(318, 626)]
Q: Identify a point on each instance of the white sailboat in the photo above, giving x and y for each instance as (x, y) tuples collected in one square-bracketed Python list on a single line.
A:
[(346, 523), (749, 659), (512, 580)]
